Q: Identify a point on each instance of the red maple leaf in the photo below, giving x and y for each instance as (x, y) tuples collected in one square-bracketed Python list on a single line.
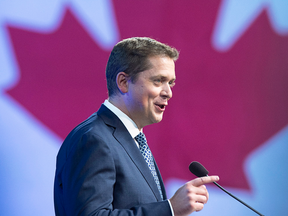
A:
[(224, 105)]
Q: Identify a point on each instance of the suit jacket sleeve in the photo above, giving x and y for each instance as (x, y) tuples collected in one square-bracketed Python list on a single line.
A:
[(96, 176)]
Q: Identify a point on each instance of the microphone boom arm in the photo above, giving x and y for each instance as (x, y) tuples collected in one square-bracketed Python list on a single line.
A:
[(237, 198)]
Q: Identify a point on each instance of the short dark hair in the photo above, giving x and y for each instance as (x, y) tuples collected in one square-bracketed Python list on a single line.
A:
[(131, 56)]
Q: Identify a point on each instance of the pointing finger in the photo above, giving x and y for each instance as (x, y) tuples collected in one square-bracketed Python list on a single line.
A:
[(204, 180)]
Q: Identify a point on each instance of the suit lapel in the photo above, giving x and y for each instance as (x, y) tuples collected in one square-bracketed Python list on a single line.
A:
[(122, 135)]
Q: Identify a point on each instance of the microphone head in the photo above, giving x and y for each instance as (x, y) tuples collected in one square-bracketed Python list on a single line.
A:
[(197, 169)]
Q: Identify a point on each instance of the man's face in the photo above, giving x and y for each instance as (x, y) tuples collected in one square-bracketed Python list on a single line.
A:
[(148, 96)]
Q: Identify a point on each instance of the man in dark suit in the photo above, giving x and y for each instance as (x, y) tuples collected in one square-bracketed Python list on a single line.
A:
[(104, 167)]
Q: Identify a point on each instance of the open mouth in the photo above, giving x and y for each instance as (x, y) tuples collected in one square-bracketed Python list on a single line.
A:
[(161, 106)]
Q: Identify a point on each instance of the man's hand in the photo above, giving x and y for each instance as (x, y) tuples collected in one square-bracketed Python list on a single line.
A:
[(191, 196)]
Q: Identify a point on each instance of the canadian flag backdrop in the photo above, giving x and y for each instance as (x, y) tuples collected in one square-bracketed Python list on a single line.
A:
[(229, 109)]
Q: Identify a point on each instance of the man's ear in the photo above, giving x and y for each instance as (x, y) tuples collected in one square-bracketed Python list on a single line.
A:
[(122, 82)]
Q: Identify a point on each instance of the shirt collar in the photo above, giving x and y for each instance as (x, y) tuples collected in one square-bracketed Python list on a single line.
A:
[(128, 122)]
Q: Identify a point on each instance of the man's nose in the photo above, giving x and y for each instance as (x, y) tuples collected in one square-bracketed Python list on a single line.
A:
[(166, 91)]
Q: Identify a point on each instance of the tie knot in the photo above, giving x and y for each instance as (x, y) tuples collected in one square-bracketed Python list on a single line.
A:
[(141, 139)]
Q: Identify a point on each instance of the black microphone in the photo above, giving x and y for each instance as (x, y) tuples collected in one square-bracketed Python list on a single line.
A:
[(199, 170)]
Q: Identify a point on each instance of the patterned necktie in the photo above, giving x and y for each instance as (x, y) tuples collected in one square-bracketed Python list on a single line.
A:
[(145, 151)]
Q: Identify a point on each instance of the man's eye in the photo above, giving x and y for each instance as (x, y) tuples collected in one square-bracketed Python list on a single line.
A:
[(172, 83)]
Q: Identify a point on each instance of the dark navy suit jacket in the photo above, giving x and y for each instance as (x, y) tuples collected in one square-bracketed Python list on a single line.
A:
[(100, 171)]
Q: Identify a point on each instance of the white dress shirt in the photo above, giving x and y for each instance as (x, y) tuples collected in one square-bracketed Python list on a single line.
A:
[(128, 122)]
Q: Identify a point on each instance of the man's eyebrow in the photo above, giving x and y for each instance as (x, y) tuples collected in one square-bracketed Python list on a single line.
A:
[(162, 77)]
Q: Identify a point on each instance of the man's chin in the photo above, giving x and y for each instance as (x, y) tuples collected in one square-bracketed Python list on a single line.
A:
[(158, 119)]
